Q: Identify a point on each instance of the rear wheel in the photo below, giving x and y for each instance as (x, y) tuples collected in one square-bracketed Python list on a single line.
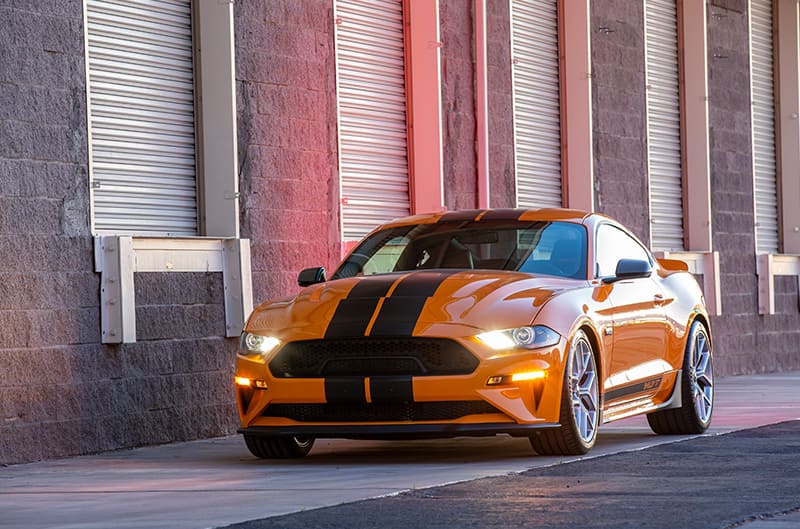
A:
[(697, 389), (580, 405), (278, 447)]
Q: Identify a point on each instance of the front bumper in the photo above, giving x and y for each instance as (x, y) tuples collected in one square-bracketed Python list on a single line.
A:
[(407, 407)]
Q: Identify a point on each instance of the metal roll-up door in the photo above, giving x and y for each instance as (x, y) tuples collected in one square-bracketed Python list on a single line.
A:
[(373, 150), (664, 125), (537, 102), (763, 87), (141, 108)]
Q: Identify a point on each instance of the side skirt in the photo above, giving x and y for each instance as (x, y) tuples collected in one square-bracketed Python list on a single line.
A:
[(644, 404)]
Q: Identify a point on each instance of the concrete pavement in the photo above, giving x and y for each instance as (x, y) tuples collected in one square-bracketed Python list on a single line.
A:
[(216, 482)]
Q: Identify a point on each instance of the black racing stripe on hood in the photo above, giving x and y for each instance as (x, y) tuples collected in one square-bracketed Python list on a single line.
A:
[(400, 312), (353, 313)]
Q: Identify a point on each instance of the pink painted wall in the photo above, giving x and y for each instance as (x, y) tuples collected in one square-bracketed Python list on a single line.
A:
[(287, 139)]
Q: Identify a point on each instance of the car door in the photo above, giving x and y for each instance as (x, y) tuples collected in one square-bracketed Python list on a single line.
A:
[(639, 330)]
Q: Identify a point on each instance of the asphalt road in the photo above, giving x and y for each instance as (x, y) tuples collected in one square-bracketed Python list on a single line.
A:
[(724, 481)]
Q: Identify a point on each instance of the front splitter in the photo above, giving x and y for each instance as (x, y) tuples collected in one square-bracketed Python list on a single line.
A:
[(398, 431)]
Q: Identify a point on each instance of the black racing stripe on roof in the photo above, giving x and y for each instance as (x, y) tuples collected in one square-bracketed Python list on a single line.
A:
[(455, 216), (399, 313), (504, 214)]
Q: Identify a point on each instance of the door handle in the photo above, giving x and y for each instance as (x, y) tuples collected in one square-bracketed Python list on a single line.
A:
[(659, 299)]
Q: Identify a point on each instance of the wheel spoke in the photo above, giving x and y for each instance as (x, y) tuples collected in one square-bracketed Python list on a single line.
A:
[(703, 384), (588, 383), (702, 363), (583, 391)]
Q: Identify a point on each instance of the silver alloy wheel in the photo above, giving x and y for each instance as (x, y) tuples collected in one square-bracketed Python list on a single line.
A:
[(702, 377), (584, 390)]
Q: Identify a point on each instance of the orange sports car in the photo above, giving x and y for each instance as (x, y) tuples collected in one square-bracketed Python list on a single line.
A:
[(537, 323)]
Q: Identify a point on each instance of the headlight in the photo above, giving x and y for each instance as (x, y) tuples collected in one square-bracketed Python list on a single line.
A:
[(255, 344), (526, 337)]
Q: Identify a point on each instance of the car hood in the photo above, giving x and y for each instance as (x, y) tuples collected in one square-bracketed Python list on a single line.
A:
[(409, 303)]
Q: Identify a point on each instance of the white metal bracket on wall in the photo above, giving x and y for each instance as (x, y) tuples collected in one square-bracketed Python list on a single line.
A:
[(705, 264), (767, 267), (117, 258)]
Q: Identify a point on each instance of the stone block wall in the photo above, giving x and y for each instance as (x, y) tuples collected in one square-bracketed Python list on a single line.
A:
[(459, 124), (458, 104), (619, 113), (503, 186), (289, 180), (62, 392), (745, 341)]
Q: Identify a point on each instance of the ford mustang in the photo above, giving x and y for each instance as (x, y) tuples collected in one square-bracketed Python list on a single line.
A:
[(536, 323)]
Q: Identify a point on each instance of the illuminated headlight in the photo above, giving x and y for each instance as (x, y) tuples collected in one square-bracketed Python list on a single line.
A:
[(255, 344), (526, 337)]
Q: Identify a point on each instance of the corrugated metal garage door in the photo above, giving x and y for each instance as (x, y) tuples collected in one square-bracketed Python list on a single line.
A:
[(141, 104), (537, 106), (373, 151), (664, 125), (763, 86)]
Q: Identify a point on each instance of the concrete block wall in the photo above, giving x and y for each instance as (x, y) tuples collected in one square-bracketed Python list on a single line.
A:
[(459, 124), (619, 113), (503, 187), (288, 164), (745, 341), (61, 391), (458, 104)]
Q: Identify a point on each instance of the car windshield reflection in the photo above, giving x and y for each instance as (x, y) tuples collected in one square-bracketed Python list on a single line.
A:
[(546, 248)]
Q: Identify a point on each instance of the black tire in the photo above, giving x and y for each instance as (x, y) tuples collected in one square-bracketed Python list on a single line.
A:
[(575, 436), (278, 447), (697, 390)]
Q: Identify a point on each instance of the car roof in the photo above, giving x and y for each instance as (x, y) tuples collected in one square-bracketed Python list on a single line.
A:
[(544, 214)]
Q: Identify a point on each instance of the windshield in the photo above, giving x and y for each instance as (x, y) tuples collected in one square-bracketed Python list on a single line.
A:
[(549, 248)]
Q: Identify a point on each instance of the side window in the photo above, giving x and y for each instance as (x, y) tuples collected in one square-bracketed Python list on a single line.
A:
[(614, 244)]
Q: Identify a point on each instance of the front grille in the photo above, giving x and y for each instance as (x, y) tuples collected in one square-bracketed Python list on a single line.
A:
[(369, 357), (378, 412)]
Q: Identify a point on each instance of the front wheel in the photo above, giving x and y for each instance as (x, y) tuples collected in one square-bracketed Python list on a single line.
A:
[(278, 447), (697, 390), (580, 405)]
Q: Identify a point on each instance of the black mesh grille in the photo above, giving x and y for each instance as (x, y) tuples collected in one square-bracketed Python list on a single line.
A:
[(366, 357), (390, 412)]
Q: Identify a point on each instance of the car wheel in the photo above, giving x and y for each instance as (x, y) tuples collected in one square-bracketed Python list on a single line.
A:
[(278, 447), (580, 405), (697, 389)]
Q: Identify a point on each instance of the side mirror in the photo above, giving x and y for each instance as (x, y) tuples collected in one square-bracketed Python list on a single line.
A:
[(631, 269), (311, 276)]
